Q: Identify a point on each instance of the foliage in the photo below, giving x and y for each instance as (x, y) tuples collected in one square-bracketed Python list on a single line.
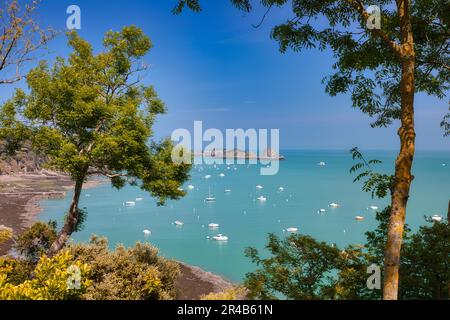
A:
[(19, 270), (136, 273), (426, 263), (5, 234), (13, 133), (376, 183), (445, 124), (300, 267), (90, 115), (82, 217), (235, 293), (36, 240), (49, 282)]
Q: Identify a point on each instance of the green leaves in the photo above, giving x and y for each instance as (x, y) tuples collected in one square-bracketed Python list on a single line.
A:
[(375, 183), (89, 114), (298, 268), (445, 124), (193, 5)]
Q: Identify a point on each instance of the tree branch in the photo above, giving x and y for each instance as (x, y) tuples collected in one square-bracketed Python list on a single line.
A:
[(358, 5)]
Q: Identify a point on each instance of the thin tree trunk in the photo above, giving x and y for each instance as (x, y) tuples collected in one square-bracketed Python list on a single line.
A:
[(448, 213), (403, 166), (71, 221)]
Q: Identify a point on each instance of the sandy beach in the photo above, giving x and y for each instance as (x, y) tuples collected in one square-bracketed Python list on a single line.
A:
[(20, 195)]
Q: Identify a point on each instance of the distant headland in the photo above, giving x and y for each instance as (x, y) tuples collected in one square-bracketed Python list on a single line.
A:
[(267, 155)]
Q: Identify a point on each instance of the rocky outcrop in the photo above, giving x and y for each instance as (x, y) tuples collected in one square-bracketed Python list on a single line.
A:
[(24, 161)]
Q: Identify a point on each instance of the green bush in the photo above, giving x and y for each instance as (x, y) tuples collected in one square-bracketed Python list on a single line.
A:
[(300, 267), (36, 241), (137, 273)]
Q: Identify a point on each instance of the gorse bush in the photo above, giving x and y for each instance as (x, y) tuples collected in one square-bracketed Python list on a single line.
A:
[(137, 273)]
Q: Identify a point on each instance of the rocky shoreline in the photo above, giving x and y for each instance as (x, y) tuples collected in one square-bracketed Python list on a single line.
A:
[(20, 197)]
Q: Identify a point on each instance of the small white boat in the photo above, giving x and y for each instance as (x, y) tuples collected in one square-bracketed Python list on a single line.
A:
[(222, 175), (130, 204), (220, 237), (227, 190), (359, 218), (259, 187), (139, 199), (292, 230), (322, 164), (374, 207), (281, 189), (147, 232), (262, 199), (213, 225), (210, 197), (178, 223), (190, 187), (322, 211), (208, 176), (334, 205), (436, 218)]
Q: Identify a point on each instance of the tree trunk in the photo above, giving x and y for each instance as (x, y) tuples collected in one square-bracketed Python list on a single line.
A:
[(403, 177), (71, 221), (448, 213)]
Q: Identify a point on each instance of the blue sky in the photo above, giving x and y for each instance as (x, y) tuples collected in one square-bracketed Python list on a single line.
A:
[(215, 67)]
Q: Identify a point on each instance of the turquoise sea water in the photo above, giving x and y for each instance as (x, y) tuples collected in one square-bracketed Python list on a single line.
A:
[(247, 221)]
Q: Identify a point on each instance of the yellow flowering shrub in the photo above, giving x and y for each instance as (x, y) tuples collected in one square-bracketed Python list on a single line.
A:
[(57, 278), (235, 293), (5, 234)]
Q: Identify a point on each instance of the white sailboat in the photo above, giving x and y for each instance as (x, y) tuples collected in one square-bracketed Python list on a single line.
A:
[(210, 198)]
